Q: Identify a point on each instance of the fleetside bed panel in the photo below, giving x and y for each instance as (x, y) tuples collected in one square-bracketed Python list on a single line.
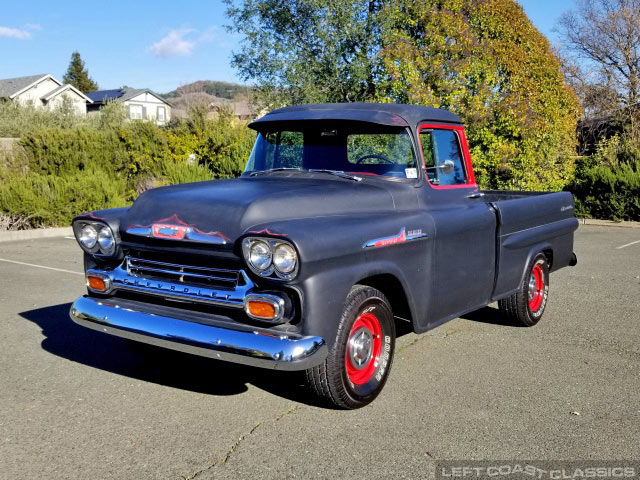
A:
[(528, 225)]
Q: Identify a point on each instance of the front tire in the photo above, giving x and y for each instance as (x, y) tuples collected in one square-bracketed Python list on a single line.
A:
[(358, 364), (526, 306)]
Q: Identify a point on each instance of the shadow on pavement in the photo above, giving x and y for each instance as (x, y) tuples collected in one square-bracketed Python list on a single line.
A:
[(491, 316), (158, 365)]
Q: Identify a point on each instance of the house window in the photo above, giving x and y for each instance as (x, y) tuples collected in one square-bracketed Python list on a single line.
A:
[(161, 116), (135, 112)]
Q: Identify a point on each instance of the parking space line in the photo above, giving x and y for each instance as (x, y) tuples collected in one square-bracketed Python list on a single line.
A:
[(40, 266), (628, 244)]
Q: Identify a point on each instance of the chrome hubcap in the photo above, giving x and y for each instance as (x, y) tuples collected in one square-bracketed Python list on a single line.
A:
[(361, 348), (532, 287)]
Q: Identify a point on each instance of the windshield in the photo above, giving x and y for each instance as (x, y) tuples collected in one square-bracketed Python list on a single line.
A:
[(350, 148)]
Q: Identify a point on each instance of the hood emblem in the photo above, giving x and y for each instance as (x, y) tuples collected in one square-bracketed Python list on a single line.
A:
[(176, 230), (164, 230), (402, 237)]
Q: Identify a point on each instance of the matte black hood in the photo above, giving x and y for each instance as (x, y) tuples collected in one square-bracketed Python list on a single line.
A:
[(234, 206)]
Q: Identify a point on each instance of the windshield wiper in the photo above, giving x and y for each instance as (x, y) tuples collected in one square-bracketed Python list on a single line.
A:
[(337, 173), (279, 169)]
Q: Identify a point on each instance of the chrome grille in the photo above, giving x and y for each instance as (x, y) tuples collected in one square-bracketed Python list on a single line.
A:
[(186, 274)]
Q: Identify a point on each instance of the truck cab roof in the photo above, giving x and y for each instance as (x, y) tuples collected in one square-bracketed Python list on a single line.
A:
[(389, 114)]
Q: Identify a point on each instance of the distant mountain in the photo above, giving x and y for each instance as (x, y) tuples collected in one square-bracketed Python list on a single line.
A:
[(225, 90), (215, 96)]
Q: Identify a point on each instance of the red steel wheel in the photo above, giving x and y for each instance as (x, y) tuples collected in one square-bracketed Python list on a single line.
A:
[(536, 288), (364, 347)]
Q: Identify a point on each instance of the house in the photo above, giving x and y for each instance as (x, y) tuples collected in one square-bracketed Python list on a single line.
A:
[(43, 91), (141, 103)]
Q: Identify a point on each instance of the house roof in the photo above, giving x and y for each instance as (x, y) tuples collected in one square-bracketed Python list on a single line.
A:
[(103, 96), (381, 113), (121, 95), (63, 88), (10, 87)]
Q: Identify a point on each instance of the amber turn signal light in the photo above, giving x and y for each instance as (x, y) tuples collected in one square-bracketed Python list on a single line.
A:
[(96, 283), (264, 310)]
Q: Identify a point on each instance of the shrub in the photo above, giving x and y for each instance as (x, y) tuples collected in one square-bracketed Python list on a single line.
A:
[(46, 199), (66, 165), (65, 151), (181, 172), (16, 120), (221, 144), (607, 184)]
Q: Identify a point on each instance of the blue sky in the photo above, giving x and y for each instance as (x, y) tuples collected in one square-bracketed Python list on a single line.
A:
[(159, 45)]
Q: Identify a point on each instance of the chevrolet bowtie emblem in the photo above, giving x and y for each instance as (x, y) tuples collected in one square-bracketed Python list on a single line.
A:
[(163, 230)]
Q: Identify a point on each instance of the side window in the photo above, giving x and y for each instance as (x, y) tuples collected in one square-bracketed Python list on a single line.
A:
[(442, 148)]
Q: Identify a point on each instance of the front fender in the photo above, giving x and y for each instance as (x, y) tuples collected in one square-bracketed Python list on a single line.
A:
[(323, 292)]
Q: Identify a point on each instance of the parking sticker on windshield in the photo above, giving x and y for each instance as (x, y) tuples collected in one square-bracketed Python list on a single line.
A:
[(411, 172)]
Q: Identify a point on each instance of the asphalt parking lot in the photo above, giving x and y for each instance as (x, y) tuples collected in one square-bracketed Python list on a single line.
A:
[(77, 403)]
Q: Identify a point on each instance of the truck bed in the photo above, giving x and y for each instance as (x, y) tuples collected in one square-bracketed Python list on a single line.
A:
[(527, 223)]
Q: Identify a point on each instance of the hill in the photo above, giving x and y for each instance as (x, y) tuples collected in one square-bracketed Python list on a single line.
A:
[(225, 90)]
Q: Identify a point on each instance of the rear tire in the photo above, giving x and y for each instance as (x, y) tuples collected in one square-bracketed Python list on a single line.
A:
[(526, 306), (358, 364)]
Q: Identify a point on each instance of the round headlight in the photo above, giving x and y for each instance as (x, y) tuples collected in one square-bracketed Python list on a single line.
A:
[(106, 241), (88, 237), (284, 258), (260, 255)]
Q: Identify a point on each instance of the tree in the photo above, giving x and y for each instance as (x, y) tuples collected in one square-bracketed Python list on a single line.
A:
[(605, 36), (305, 51), (78, 76), (485, 61), (482, 59), (597, 95)]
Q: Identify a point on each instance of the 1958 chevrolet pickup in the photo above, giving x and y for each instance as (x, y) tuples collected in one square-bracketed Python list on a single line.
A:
[(347, 219)]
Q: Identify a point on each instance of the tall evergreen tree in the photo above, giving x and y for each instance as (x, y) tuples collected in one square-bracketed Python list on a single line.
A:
[(78, 76)]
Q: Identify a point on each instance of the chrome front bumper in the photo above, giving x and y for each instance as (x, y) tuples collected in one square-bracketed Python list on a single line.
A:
[(245, 345)]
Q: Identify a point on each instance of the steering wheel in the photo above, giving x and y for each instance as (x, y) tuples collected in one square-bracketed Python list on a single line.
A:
[(374, 155)]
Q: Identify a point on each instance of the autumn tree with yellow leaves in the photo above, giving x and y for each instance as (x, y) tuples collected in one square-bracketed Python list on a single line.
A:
[(481, 59), (485, 61)]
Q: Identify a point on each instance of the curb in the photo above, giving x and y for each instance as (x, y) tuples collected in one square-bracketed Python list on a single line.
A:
[(608, 223), (14, 235)]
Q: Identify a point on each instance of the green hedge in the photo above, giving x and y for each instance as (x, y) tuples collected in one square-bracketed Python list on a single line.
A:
[(607, 184), (54, 199), (103, 161)]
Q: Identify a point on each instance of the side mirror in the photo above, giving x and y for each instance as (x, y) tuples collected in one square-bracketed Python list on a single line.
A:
[(446, 167)]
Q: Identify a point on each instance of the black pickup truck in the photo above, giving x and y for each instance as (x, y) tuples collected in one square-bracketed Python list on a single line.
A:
[(348, 219)]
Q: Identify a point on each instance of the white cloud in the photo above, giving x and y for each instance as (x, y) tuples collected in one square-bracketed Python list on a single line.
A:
[(174, 44), (15, 33)]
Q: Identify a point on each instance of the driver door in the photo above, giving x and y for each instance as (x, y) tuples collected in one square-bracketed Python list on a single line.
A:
[(465, 226)]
